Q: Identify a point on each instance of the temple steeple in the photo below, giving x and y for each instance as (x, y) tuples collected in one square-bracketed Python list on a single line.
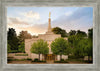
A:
[(49, 22)]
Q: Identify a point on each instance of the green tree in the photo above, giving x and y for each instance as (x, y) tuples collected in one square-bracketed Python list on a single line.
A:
[(72, 32), (90, 49), (80, 49), (83, 48), (8, 48), (24, 35), (13, 41), (21, 47), (81, 33), (90, 37), (40, 47), (58, 30), (90, 33), (59, 46), (73, 40)]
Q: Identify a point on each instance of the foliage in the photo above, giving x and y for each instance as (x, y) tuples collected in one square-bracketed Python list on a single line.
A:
[(73, 40), (8, 48), (40, 47), (36, 60), (81, 44), (16, 59), (58, 30), (21, 54), (84, 48), (13, 51), (28, 59), (90, 33), (24, 35), (61, 61), (21, 47), (72, 32), (13, 41), (79, 50), (59, 46), (74, 57), (81, 33)]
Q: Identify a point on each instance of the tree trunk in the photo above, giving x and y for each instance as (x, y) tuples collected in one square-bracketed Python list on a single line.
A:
[(39, 56), (60, 57)]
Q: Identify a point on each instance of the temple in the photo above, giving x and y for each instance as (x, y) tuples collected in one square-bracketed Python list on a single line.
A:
[(49, 36)]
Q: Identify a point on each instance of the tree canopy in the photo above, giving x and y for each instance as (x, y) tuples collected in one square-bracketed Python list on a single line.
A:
[(12, 39), (90, 33), (58, 30), (21, 47), (24, 35), (40, 47), (72, 32), (59, 46), (81, 33)]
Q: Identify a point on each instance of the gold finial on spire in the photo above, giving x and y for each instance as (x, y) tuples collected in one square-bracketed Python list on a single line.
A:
[(49, 14)]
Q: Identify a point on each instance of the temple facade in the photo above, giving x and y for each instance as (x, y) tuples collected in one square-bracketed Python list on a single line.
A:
[(49, 36)]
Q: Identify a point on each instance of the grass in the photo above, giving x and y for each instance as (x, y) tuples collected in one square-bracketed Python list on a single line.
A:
[(21, 54)]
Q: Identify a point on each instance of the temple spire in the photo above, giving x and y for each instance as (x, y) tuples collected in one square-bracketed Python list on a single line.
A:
[(49, 14), (49, 22)]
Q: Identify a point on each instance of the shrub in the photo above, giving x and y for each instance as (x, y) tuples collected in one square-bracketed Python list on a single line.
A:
[(9, 60), (13, 51), (62, 60), (28, 59), (21, 54), (74, 57), (42, 61), (36, 60)]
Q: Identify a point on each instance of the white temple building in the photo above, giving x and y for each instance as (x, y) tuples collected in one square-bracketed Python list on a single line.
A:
[(49, 36)]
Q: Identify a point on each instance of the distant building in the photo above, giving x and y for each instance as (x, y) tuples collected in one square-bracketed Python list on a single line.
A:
[(49, 36)]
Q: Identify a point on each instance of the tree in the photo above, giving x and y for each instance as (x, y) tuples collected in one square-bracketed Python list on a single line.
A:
[(90, 49), (72, 32), (83, 48), (40, 47), (24, 35), (13, 41), (73, 40), (59, 46), (81, 33), (90, 37), (58, 30), (8, 48), (90, 33), (21, 47), (80, 49)]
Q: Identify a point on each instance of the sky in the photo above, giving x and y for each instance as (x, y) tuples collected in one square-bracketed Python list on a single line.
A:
[(35, 19)]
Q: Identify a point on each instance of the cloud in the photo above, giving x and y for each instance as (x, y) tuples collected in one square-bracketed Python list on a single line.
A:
[(16, 21), (31, 14), (68, 13), (81, 19), (35, 30)]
